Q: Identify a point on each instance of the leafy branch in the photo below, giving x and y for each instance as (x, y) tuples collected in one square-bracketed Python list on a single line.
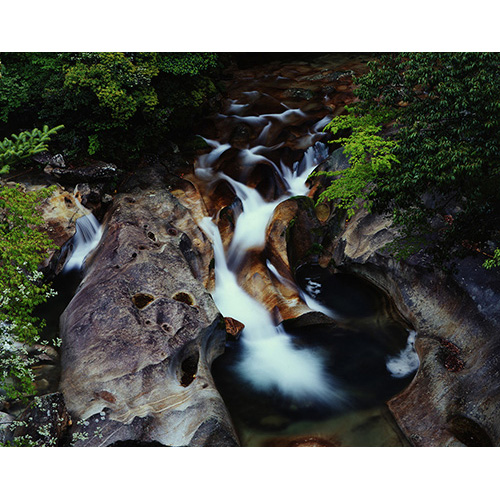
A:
[(24, 145)]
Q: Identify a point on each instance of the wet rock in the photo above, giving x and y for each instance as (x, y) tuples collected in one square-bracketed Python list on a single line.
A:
[(58, 161), (304, 442), (240, 136), (96, 171), (303, 233), (146, 363), (46, 378), (457, 342), (46, 158), (60, 213), (298, 93), (6, 433), (45, 422), (233, 328), (88, 196)]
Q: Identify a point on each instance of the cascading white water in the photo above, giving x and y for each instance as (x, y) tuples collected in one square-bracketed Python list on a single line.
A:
[(87, 235), (270, 361), (308, 296), (406, 362), (296, 177)]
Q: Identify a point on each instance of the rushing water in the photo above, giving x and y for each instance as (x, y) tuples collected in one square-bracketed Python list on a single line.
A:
[(287, 376), (322, 383), (87, 236)]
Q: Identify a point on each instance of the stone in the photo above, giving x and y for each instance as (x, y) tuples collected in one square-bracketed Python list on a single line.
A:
[(60, 212), (58, 161), (95, 171), (142, 331), (43, 353), (45, 422), (46, 378), (88, 196), (233, 328), (304, 442), (454, 398), (6, 433)]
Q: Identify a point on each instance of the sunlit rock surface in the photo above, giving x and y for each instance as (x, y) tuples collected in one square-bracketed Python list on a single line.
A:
[(60, 212)]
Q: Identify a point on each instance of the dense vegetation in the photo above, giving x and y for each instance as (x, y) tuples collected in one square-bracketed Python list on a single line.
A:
[(23, 247), (424, 146), (114, 105)]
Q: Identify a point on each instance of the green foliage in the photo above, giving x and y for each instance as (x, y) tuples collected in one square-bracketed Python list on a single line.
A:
[(186, 63), (24, 145), (23, 246), (369, 155), (443, 114), (112, 103), (493, 261)]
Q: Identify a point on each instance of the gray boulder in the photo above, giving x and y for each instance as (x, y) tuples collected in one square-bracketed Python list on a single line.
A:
[(141, 332)]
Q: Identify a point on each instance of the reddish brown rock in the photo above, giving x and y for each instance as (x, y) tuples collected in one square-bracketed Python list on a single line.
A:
[(304, 442), (233, 328)]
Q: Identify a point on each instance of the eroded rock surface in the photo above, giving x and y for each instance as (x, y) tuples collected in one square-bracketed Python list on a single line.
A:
[(454, 399), (141, 332)]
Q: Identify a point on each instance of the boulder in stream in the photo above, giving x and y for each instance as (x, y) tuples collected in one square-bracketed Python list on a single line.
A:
[(141, 332)]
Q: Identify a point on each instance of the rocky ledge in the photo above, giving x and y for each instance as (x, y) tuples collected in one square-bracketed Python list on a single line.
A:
[(454, 399), (141, 332)]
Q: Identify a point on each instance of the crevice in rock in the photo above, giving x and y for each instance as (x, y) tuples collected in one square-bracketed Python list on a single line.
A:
[(185, 297), (468, 432), (189, 367)]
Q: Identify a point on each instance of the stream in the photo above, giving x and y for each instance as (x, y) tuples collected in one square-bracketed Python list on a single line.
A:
[(284, 383), (320, 385)]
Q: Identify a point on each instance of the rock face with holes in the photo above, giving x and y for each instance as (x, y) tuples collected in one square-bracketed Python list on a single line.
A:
[(454, 399), (141, 332)]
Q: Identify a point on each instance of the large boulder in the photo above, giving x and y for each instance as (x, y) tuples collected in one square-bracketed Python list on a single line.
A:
[(141, 332), (454, 399)]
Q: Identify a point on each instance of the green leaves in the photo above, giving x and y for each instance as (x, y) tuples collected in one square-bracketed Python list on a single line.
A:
[(494, 261), (188, 63), (24, 145), (442, 113), (369, 155), (112, 103), (23, 246)]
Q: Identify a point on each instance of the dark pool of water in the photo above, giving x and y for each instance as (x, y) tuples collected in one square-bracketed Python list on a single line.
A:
[(355, 350), (65, 284)]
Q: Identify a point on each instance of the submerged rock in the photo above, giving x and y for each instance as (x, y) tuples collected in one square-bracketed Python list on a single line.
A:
[(141, 332)]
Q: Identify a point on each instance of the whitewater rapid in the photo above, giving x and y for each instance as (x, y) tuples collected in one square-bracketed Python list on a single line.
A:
[(270, 359)]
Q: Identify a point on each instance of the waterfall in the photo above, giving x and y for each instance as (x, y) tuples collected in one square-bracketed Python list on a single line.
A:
[(87, 235), (271, 361)]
